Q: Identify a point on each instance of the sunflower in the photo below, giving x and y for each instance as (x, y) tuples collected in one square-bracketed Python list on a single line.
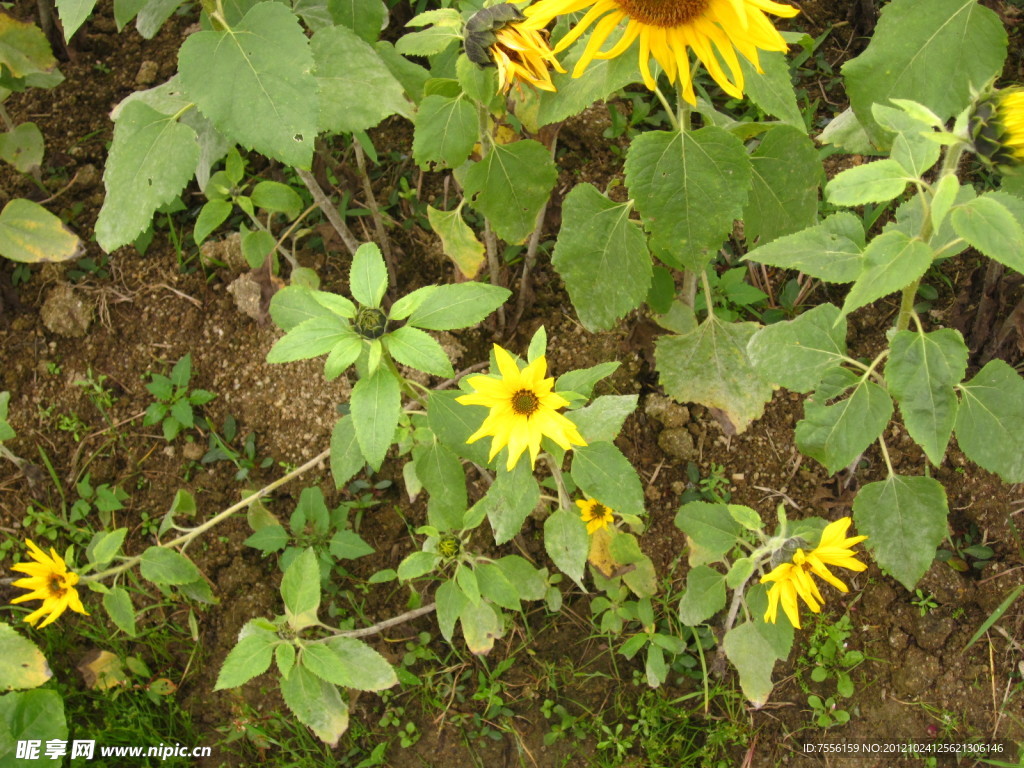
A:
[(997, 127), (50, 581), (668, 29), (792, 580), (523, 409), (595, 514), (495, 37)]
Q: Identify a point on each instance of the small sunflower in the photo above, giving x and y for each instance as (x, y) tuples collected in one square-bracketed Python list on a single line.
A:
[(523, 409), (50, 581), (667, 29), (792, 580), (494, 36), (997, 127), (595, 514)]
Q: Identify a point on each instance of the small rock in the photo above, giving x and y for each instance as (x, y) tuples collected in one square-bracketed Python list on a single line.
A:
[(87, 177), (147, 74), (66, 313), (248, 296), (193, 451), (678, 444), (666, 411)]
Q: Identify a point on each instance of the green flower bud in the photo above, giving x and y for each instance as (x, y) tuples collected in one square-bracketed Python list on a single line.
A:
[(997, 128), (370, 322)]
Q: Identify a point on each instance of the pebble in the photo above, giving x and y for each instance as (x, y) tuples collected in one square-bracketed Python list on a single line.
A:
[(66, 313), (678, 444), (147, 74)]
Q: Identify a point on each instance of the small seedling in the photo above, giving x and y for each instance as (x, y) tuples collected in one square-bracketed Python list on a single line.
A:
[(173, 406), (925, 602)]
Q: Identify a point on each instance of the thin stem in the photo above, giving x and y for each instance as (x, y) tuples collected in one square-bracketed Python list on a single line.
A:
[(378, 221), (885, 455), (329, 210), (689, 293), (556, 472), (380, 626), (668, 108)]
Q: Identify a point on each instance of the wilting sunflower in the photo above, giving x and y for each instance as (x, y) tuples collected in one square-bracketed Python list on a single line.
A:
[(50, 581), (595, 514), (793, 579), (667, 29), (997, 127), (523, 409), (494, 36)]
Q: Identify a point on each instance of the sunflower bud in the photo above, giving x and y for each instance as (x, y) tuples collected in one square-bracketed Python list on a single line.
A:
[(370, 322), (494, 37), (449, 546), (997, 128)]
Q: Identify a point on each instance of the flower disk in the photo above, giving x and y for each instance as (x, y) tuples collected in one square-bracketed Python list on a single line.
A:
[(523, 409), (50, 581), (791, 580), (595, 514), (667, 29)]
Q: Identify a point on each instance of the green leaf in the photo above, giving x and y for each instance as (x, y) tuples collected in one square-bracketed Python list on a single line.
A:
[(689, 187), (874, 182), (361, 667), (270, 538), (530, 582), (255, 83), (785, 176), (167, 566), (428, 42), (510, 500), (418, 349), (368, 278), (300, 589), (442, 475), (892, 261), (510, 186), (990, 421), (22, 664), (376, 405), (211, 216), (459, 243), (277, 197), (31, 234), (118, 605), (417, 564), (567, 543), (603, 418), (22, 147), (458, 305), (294, 304), (987, 225), (30, 715), (481, 626), (348, 545), (583, 380), (24, 49), (284, 655), (911, 148), (778, 635), (936, 52), (315, 703), (151, 160), (704, 595), (837, 434), (711, 529), (250, 657), (598, 239), (106, 545), (921, 374), (904, 519), (796, 354), (73, 14), (346, 457), (496, 587), (603, 473), (450, 603), (445, 131), (310, 338), (829, 251), (753, 658), (347, 70), (772, 88), (454, 422), (465, 577), (710, 366), (366, 17)]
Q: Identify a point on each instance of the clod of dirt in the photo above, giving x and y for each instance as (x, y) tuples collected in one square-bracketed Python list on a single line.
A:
[(666, 411), (917, 672), (148, 72), (227, 252), (947, 586), (677, 443), (66, 312), (931, 631), (248, 296)]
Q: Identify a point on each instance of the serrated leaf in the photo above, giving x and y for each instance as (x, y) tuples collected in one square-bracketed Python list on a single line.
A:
[(450, 602), (118, 605), (368, 277), (904, 519), (583, 380), (704, 595), (300, 589), (24, 49), (22, 664), (481, 626), (445, 131), (417, 564), (510, 185), (892, 261), (603, 473), (990, 420), (107, 545), (310, 338), (873, 182), (710, 366), (710, 528), (250, 657), (796, 354), (598, 239), (346, 457), (458, 240), (830, 251), (772, 88), (442, 475), (167, 566), (458, 305), (836, 434), (753, 658), (376, 404), (496, 587), (361, 667), (785, 175), (603, 418), (567, 543), (418, 349), (510, 500), (987, 225), (255, 84), (315, 703), (453, 423), (689, 187)]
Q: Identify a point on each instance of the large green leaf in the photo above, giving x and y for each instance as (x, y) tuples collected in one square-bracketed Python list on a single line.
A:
[(441, 473), (167, 566), (874, 182), (350, 663), (987, 225), (603, 473), (315, 703), (418, 349), (797, 353), (445, 130), (937, 52), (785, 175), (892, 261), (31, 234), (346, 457), (458, 240), (454, 422), (711, 530), (255, 83), (704, 595), (22, 664), (689, 187), (772, 88), (753, 658), (603, 418), (30, 715), (710, 366), (830, 251), (837, 434), (567, 543), (990, 421), (24, 49), (904, 519), (510, 186), (151, 160), (510, 500), (300, 589), (376, 404), (311, 338), (457, 305), (598, 240), (368, 276), (250, 657), (347, 69), (922, 371)]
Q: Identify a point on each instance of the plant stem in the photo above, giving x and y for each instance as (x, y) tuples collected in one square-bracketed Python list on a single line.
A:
[(885, 455), (378, 222), (329, 210), (556, 472), (380, 626), (668, 108)]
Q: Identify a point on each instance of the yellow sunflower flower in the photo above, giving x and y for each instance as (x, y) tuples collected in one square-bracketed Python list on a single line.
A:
[(495, 37), (50, 581), (997, 127), (792, 580), (595, 514), (523, 409), (667, 29)]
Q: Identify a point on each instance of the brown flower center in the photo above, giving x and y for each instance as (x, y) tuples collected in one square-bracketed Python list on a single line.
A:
[(664, 13), (525, 403), (599, 512), (57, 586)]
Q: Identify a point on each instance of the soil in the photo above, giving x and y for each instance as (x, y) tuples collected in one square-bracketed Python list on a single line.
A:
[(919, 679)]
